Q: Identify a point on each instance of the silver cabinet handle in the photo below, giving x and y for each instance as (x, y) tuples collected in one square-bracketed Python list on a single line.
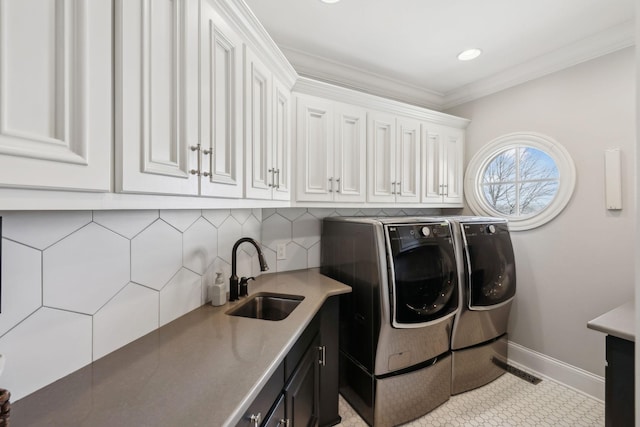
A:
[(322, 355), (339, 185), (284, 422), (399, 188), (196, 171), (255, 419), (394, 187), (206, 152), (277, 182), (272, 172), (331, 185)]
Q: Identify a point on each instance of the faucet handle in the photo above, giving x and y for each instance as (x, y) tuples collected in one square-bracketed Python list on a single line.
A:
[(244, 285)]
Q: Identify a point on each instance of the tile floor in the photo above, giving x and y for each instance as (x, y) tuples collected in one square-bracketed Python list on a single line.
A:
[(506, 402)]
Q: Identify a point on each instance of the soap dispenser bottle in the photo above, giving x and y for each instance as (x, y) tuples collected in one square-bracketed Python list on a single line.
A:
[(218, 291)]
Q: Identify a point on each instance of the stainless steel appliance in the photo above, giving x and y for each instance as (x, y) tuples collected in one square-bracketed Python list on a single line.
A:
[(487, 289), (395, 327)]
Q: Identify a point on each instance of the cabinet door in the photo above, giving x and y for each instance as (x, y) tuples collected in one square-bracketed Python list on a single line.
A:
[(408, 161), (55, 107), (302, 392), (156, 96), (454, 164), (220, 106), (314, 121), (257, 116), (432, 169), (350, 171), (381, 157), (281, 141)]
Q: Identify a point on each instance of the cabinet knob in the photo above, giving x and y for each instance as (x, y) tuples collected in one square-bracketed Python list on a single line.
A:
[(255, 419)]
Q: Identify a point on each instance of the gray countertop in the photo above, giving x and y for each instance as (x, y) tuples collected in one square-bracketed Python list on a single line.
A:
[(204, 368), (619, 322)]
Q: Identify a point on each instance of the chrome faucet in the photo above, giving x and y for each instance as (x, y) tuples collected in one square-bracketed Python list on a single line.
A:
[(234, 284)]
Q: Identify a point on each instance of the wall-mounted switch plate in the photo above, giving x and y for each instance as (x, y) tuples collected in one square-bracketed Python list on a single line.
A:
[(281, 251)]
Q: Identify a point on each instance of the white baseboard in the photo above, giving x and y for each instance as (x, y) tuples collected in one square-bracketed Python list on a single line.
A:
[(552, 369)]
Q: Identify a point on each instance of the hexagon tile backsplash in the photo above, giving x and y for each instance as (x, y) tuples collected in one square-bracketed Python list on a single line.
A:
[(78, 285)]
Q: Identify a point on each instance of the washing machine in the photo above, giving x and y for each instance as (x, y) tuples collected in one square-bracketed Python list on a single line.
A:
[(487, 290), (395, 325)]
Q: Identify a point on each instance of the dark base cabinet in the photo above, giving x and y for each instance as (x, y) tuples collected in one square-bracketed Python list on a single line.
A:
[(619, 386), (303, 392)]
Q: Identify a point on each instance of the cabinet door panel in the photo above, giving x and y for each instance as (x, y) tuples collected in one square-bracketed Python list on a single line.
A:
[(314, 149), (220, 106), (454, 144), (55, 108), (381, 142), (408, 167), (432, 166), (156, 65), (281, 141), (302, 392), (350, 153), (258, 129)]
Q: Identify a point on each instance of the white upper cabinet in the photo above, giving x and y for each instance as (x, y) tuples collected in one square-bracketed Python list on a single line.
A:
[(331, 151), (443, 162), (267, 132), (281, 151), (56, 92), (350, 153), (157, 96), (408, 161), (221, 77), (393, 148)]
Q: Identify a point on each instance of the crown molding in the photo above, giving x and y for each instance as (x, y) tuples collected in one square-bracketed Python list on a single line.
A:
[(308, 86), (603, 43), (327, 70), (237, 12)]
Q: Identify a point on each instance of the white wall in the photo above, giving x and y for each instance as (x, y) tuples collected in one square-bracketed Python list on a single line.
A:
[(581, 264)]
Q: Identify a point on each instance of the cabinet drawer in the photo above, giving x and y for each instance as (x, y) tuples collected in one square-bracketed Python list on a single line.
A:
[(265, 399), (276, 417)]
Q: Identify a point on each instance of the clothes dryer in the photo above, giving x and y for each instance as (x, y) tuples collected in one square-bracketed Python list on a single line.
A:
[(395, 326), (487, 290)]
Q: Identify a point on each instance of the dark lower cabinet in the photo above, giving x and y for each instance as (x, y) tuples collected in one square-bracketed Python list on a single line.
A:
[(303, 392), (277, 417), (619, 386)]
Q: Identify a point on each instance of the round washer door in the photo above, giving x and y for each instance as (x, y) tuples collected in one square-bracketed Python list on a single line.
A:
[(490, 265), (424, 281)]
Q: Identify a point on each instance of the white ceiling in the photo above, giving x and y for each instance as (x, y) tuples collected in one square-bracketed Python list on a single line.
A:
[(406, 49)]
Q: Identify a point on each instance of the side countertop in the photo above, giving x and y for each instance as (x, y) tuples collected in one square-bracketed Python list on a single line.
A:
[(619, 322), (204, 368)]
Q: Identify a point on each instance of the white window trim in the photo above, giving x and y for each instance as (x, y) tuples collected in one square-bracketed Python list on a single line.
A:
[(566, 169)]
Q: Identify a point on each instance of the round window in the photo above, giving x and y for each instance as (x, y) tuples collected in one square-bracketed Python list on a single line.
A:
[(525, 177)]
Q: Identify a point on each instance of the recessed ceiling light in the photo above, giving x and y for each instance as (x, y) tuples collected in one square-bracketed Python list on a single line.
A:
[(329, 1), (469, 54)]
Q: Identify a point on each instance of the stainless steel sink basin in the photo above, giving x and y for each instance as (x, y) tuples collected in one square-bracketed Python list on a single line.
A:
[(267, 306)]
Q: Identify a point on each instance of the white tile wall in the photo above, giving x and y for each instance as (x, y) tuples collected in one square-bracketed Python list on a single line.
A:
[(78, 285)]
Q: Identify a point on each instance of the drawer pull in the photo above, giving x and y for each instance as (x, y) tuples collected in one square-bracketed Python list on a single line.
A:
[(255, 419)]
